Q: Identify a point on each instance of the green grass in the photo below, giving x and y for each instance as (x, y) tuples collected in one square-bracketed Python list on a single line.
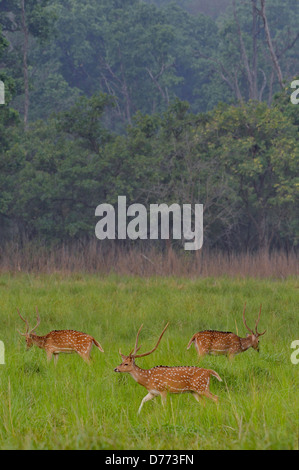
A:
[(76, 406)]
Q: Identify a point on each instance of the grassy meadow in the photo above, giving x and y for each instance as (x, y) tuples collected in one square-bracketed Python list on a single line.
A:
[(76, 406)]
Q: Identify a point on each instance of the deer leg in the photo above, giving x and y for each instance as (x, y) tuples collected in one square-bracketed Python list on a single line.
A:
[(49, 355), (88, 351), (210, 395), (163, 397), (85, 357), (84, 353), (231, 356), (147, 397), (200, 351), (55, 358), (198, 397)]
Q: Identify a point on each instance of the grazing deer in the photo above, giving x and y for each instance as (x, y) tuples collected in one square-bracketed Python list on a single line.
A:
[(225, 342), (162, 379), (60, 341)]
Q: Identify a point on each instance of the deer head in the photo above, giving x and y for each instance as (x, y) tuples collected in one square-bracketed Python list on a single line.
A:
[(28, 332), (128, 362), (254, 336)]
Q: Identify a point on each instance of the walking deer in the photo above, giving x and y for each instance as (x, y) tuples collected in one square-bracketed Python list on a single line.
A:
[(60, 341), (226, 342), (161, 380)]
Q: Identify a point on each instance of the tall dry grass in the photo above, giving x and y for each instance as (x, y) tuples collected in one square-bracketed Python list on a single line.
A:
[(106, 258)]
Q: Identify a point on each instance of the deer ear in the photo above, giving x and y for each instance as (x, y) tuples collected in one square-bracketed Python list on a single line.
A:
[(122, 356)]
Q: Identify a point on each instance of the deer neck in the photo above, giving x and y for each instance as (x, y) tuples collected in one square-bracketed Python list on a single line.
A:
[(246, 343), (140, 375), (38, 340)]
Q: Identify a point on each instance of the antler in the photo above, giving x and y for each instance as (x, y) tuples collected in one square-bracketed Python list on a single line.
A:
[(135, 349), (27, 325), (259, 334), (244, 321), (38, 320), (136, 342), (147, 353)]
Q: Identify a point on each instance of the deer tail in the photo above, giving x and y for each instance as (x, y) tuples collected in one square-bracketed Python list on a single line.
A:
[(97, 344), (216, 375), (191, 341)]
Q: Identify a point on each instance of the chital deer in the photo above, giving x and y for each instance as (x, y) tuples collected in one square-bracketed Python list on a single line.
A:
[(60, 341), (161, 380), (225, 342)]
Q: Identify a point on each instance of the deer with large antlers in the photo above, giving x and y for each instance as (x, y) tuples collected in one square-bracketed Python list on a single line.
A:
[(60, 341), (161, 380), (226, 342)]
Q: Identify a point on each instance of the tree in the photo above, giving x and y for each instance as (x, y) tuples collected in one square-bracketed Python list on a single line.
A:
[(25, 18), (142, 55), (251, 54), (53, 172), (256, 147)]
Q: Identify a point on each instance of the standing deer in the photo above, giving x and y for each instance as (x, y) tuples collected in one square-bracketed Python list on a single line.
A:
[(60, 341), (162, 379), (225, 342)]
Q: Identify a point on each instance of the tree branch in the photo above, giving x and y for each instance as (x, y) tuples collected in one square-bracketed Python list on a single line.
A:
[(262, 12)]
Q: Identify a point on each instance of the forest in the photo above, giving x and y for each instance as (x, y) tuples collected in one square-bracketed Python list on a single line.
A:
[(160, 101)]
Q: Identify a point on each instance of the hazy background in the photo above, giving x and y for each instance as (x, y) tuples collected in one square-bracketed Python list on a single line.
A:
[(185, 102)]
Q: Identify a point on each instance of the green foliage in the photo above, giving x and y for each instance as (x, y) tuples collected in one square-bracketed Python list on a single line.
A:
[(240, 162), (58, 174), (142, 55), (39, 18), (146, 53), (84, 121), (118, 87), (258, 149), (243, 54), (3, 42), (213, 8)]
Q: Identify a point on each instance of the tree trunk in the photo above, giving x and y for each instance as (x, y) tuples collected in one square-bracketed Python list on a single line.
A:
[(270, 44), (254, 51), (25, 64)]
